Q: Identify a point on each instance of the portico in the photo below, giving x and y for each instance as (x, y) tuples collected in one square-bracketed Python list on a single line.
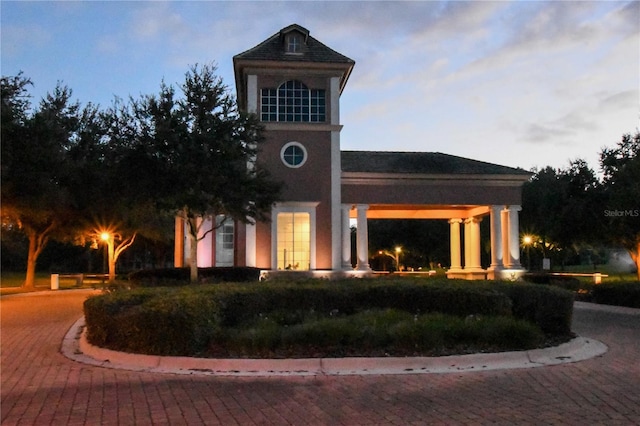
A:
[(438, 186)]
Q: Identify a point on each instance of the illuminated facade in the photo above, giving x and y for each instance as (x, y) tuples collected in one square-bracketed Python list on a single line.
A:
[(293, 83)]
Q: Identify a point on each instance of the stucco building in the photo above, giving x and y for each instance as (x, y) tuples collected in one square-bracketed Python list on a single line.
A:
[(293, 82)]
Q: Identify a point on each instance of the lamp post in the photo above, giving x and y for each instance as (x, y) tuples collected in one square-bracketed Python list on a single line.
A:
[(527, 240), (108, 238)]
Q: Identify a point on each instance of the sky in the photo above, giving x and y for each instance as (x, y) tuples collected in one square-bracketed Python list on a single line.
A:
[(524, 84)]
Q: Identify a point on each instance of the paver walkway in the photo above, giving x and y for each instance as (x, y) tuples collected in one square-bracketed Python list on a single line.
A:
[(40, 386)]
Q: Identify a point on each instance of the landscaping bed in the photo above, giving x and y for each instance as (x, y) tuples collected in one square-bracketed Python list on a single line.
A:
[(318, 318)]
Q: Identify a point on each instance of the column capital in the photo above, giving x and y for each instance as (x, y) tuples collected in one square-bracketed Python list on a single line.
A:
[(457, 220), (362, 206), (514, 208), (474, 219)]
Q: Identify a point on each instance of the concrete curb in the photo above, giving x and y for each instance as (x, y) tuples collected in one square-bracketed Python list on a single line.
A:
[(76, 347)]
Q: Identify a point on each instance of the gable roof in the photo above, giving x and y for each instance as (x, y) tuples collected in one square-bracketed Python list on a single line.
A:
[(421, 163), (272, 49)]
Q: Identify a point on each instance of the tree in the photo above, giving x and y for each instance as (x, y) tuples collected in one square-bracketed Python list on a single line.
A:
[(559, 207), (35, 198), (206, 149), (621, 181)]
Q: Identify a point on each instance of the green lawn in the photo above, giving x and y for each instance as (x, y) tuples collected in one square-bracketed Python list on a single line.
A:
[(14, 280), (613, 274)]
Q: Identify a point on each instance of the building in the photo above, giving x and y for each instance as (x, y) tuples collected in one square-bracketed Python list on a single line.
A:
[(294, 82)]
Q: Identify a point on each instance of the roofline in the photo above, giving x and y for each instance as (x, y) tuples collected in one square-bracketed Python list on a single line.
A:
[(374, 178)]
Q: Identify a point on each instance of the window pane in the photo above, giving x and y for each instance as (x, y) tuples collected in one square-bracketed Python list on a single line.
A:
[(294, 241)]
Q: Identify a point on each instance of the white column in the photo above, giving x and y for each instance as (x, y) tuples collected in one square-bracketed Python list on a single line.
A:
[(362, 238), (514, 236), (251, 246), (474, 244), (335, 100), (336, 203), (496, 237), (346, 238), (337, 262), (506, 257), (467, 243), (454, 236)]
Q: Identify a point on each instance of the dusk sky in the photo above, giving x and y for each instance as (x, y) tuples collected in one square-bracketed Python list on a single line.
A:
[(524, 84)]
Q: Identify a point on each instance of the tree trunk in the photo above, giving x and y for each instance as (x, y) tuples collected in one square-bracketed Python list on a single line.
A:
[(193, 259), (37, 242), (112, 261), (32, 257)]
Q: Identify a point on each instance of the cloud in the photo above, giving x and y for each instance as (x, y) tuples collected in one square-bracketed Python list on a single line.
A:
[(621, 101), (158, 20), (22, 38)]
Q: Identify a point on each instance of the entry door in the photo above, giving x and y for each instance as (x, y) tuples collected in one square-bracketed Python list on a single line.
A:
[(294, 241), (224, 243)]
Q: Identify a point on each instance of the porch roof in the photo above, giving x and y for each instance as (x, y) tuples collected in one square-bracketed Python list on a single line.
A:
[(420, 163)]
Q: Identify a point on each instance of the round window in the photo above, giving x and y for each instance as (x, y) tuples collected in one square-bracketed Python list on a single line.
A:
[(293, 154)]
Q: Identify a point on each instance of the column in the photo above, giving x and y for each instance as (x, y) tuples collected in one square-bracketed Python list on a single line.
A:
[(250, 243), (467, 243), (362, 238), (496, 238), (455, 244), (474, 244), (346, 238), (178, 244), (506, 257), (514, 236)]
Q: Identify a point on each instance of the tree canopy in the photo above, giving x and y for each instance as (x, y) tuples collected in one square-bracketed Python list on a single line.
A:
[(621, 192), (36, 194), (202, 149)]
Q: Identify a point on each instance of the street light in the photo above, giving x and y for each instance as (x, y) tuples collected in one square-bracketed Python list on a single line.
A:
[(106, 237), (527, 240), (395, 255)]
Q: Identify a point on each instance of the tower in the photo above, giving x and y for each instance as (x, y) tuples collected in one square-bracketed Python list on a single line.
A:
[(293, 83)]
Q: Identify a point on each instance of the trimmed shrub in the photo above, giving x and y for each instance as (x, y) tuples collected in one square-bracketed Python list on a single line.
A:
[(618, 293), (350, 296), (549, 307), (178, 277), (378, 332), (191, 320), (159, 323)]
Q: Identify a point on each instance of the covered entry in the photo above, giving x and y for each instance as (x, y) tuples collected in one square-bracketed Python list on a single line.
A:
[(407, 185)]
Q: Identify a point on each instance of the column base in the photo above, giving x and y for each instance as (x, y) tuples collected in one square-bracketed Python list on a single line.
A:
[(512, 273), (467, 274)]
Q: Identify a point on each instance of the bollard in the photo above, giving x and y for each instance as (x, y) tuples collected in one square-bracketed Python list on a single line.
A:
[(597, 278), (55, 281)]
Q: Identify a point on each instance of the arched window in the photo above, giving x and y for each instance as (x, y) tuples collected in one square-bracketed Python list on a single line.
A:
[(293, 102)]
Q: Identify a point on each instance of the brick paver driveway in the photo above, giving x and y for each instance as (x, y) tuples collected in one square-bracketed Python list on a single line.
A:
[(40, 386)]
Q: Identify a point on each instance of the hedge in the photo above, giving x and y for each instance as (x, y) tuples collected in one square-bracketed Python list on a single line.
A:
[(183, 321), (550, 308), (178, 277), (617, 293)]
